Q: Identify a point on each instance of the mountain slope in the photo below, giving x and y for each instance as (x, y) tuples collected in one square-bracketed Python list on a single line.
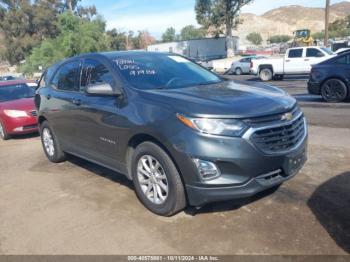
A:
[(287, 19)]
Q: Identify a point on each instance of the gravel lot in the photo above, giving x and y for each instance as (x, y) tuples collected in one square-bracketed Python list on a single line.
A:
[(79, 208)]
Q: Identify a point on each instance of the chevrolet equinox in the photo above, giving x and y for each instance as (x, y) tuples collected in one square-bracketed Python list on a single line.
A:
[(183, 135)]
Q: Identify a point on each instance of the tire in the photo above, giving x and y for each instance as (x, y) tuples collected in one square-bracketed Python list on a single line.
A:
[(334, 90), (238, 71), (266, 74), (156, 180), (50, 144), (3, 134)]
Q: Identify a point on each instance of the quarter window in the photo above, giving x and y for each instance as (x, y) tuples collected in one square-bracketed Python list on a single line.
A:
[(94, 72), (295, 53), (66, 76)]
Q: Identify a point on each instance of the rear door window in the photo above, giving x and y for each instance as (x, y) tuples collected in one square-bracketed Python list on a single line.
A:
[(66, 77), (313, 52), (295, 53)]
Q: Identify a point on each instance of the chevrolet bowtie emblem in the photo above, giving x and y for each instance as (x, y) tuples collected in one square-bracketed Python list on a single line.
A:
[(287, 117)]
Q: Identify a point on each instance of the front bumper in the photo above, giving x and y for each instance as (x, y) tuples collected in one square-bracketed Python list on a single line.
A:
[(245, 169), (21, 125), (199, 196)]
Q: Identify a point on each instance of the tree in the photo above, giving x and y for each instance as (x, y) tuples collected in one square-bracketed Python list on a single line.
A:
[(216, 13), (77, 35), (190, 32), (145, 39), (339, 28), (117, 40), (254, 38), (276, 39), (26, 23), (169, 35)]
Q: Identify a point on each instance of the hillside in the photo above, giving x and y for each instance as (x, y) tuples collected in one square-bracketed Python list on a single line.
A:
[(285, 20)]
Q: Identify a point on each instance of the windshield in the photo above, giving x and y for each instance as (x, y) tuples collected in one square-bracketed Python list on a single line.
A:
[(161, 71), (328, 51), (13, 92)]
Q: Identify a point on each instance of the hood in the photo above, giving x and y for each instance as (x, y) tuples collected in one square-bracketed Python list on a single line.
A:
[(24, 104), (226, 99)]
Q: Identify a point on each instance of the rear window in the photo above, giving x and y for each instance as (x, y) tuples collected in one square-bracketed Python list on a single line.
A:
[(295, 53), (14, 92)]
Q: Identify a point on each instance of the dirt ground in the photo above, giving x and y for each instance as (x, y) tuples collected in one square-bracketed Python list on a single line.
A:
[(79, 208)]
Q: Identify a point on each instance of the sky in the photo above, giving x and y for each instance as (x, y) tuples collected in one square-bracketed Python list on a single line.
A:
[(157, 15)]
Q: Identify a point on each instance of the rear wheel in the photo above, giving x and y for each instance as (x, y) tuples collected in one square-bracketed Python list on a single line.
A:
[(238, 71), (334, 90), (266, 74), (157, 182), (50, 144), (3, 134)]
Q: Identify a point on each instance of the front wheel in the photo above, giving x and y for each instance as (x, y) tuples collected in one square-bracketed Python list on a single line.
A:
[(50, 144), (334, 90), (3, 134), (266, 74), (157, 182)]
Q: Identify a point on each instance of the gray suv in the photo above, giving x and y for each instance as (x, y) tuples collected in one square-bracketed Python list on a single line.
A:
[(183, 135)]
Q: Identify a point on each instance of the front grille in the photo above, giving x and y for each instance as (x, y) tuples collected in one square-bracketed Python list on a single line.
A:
[(34, 113), (271, 119), (281, 138)]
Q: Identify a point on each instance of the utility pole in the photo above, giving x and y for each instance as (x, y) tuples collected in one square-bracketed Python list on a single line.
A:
[(326, 35)]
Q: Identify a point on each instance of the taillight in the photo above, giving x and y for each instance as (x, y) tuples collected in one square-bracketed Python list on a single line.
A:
[(251, 64)]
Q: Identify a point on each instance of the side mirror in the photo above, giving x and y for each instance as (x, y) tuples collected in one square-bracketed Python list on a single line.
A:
[(102, 89), (320, 55)]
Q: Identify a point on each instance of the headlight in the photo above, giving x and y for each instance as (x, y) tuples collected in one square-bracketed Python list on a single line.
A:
[(15, 113), (222, 127)]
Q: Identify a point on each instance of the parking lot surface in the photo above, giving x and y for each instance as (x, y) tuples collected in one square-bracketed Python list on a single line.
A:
[(77, 207)]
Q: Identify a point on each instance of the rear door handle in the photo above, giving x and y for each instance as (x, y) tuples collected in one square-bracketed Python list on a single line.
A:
[(76, 101), (306, 59), (287, 60)]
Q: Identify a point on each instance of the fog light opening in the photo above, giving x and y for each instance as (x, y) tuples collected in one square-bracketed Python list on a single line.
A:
[(207, 170), (18, 129)]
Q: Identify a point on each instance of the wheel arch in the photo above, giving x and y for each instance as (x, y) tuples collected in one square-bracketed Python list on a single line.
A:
[(266, 66), (41, 119), (140, 138)]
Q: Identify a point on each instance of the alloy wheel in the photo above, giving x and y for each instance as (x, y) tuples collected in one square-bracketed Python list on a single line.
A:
[(48, 142), (333, 90), (2, 132), (266, 74), (152, 179)]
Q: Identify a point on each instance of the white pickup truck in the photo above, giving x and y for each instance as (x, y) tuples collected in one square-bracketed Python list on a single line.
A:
[(297, 61)]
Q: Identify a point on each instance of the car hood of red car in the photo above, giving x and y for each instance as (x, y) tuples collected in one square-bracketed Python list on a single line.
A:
[(24, 104)]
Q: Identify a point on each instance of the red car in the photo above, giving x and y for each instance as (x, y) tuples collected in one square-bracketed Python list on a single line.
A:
[(17, 109)]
